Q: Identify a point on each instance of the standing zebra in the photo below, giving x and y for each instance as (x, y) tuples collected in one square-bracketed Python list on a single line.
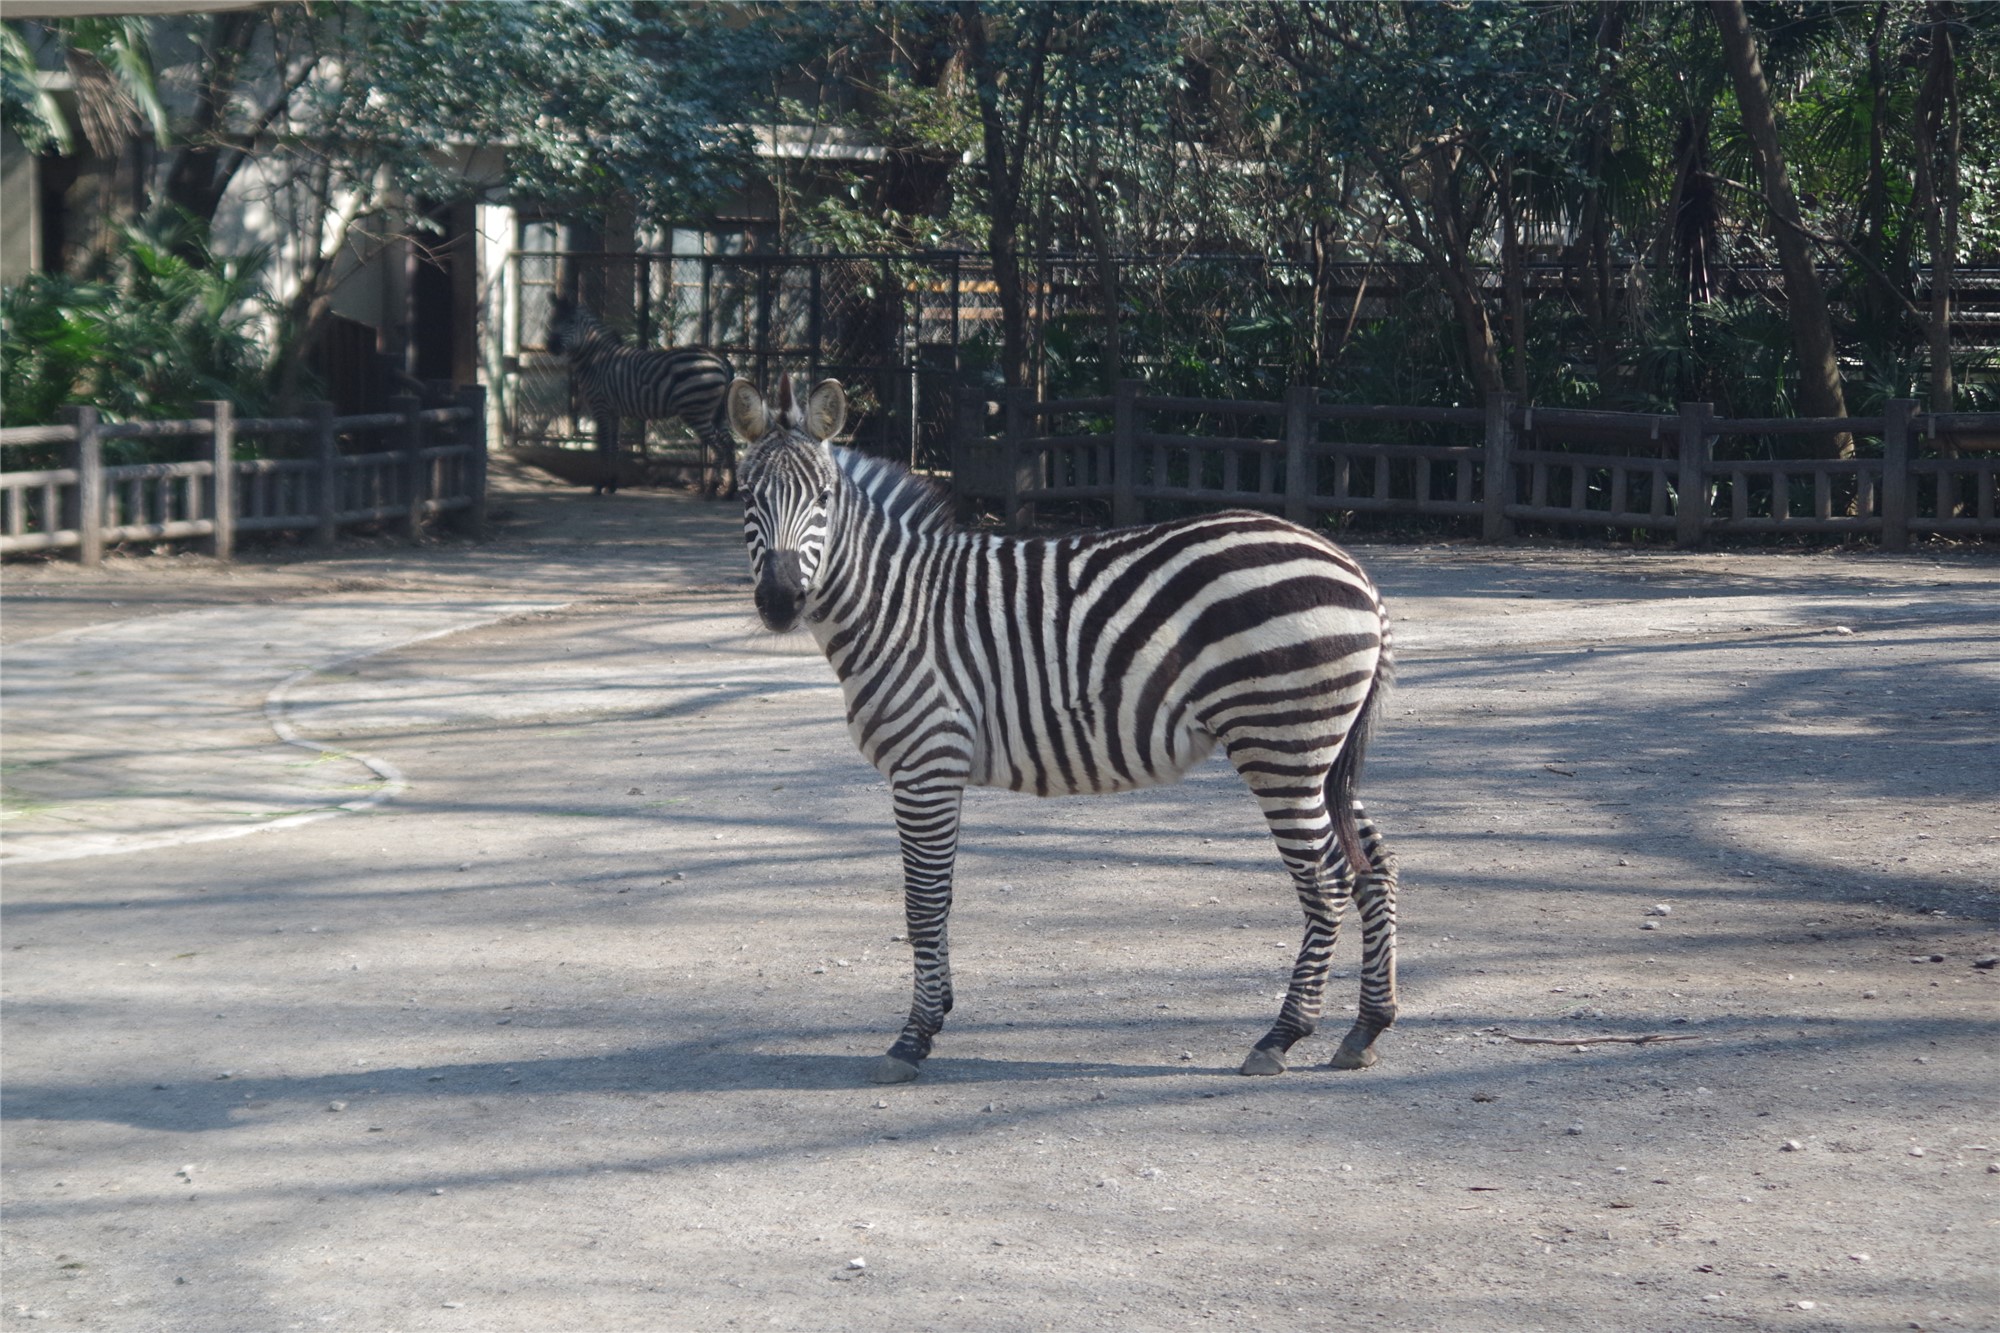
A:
[(1098, 662), (619, 380)]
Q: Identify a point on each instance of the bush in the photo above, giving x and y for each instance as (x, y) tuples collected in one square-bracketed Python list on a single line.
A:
[(175, 327)]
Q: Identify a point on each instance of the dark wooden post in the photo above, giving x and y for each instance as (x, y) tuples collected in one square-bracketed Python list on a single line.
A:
[(409, 435), (222, 481), (1896, 416), (1124, 454), (326, 452), (968, 410), (1499, 467), (472, 432), (1021, 470), (86, 508), (1300, 465), (1691, 513)]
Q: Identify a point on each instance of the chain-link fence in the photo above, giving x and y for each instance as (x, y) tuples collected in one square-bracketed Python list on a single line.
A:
[(897, 332)]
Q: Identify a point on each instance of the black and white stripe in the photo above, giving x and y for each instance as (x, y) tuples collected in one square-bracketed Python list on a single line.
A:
[(619, 380), (1097, 662)]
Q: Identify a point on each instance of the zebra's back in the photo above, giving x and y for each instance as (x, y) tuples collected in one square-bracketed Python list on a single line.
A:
[(1102, 662), (649, 382)]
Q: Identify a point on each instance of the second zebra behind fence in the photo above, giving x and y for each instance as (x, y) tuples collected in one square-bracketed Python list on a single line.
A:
[(620, 380), (1098, 662)]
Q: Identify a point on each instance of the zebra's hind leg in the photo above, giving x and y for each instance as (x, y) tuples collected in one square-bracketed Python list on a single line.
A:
[(1375, 894), (927, 824), (1296, 811)]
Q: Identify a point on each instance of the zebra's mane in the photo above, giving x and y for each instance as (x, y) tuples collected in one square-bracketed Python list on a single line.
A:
[(915, 504)]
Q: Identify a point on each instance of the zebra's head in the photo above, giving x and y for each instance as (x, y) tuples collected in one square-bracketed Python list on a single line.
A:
[(569, 325), (789, 480)]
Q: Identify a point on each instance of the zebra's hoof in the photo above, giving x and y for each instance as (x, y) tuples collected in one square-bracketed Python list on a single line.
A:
[(1351, 1059), (891, 1070), (1261, 1061)]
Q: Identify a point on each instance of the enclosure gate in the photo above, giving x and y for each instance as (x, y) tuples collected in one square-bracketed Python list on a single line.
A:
[(892, 329)]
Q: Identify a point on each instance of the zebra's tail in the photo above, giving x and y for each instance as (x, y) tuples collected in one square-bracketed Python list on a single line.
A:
[(1345, 776)]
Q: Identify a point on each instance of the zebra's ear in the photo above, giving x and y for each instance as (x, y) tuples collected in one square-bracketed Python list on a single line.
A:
[(826, 410), (748, 416)]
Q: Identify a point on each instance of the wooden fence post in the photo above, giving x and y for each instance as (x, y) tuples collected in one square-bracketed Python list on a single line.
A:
[(472, 431), (410, 439), (222, 480), (1022, 471), (86, 509), (1300, 465), (1691, 510), (326, 451), (1896, 416), (1495, 526), (1124, 454), (968, 429)]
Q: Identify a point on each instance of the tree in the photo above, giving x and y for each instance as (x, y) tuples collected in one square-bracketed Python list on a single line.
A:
[(1820, 393), (337, 121)]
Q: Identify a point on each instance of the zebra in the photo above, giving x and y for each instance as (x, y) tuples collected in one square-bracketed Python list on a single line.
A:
[(620, 380), (1096, 662)]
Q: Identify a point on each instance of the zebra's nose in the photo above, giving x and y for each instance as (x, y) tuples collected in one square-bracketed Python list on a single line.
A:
[(781, 593)]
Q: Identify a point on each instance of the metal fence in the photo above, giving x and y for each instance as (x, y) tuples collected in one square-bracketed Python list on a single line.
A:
[(399, 467), (904, 332), (894, 330), (1134, 456)]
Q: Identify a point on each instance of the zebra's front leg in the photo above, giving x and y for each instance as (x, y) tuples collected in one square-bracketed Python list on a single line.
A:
[(1376, 897), (927, 824)]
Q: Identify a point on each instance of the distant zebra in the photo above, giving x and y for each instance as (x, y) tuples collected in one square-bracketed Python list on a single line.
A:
[(619, 380), (1098, 662)]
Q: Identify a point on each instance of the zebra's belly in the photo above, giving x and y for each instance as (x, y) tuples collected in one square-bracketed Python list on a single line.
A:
[(1066, 754)]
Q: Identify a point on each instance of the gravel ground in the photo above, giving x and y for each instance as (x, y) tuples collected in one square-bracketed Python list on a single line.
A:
[(570, 1030)]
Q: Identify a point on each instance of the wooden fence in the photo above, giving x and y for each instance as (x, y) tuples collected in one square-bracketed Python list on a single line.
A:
[(1688, 473), (426, 460)]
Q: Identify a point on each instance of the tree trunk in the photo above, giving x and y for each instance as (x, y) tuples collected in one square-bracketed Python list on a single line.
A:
[(196, 178), (1107, 274), (1004, 172), (1513, 279), (1939, 129), (1820, 392)]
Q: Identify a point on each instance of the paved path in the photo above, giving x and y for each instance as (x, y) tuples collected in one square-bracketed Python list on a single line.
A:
[(159, 731)]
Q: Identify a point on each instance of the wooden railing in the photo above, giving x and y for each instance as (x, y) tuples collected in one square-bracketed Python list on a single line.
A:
[(429, 461), (1905, 472)]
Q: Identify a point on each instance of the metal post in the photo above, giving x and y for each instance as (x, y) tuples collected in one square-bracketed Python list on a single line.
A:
[(1300, 399), (1124, 454), (1495, 525), (410, 439), (87, 513), (813, 317), (472, 431), (326, 451), (1691, 508), (1896, 473), (222, 481)]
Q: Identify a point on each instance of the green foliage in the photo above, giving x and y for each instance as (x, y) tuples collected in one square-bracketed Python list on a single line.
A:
[(166, 334)]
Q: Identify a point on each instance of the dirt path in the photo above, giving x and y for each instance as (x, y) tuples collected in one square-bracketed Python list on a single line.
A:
[(569, 1032)]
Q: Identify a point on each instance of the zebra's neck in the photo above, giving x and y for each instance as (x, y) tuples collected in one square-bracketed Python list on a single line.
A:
[(890, 532)]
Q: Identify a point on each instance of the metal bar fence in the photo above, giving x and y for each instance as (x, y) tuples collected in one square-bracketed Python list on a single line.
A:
[(434, 463)]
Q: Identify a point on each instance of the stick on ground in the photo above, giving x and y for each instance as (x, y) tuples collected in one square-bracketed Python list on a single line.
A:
[(1645, 1039)]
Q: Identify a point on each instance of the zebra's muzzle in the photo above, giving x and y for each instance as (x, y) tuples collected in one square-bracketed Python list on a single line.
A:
[(781, 592)]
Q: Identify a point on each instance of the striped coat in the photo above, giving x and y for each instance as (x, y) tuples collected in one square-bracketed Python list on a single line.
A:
[(1098, 662), (619, 380)]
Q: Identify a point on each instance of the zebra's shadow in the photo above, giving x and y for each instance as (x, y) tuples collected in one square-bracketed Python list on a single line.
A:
[(719, 1072)]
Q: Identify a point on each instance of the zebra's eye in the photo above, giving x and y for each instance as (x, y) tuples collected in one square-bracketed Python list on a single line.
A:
[(826, 496)]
